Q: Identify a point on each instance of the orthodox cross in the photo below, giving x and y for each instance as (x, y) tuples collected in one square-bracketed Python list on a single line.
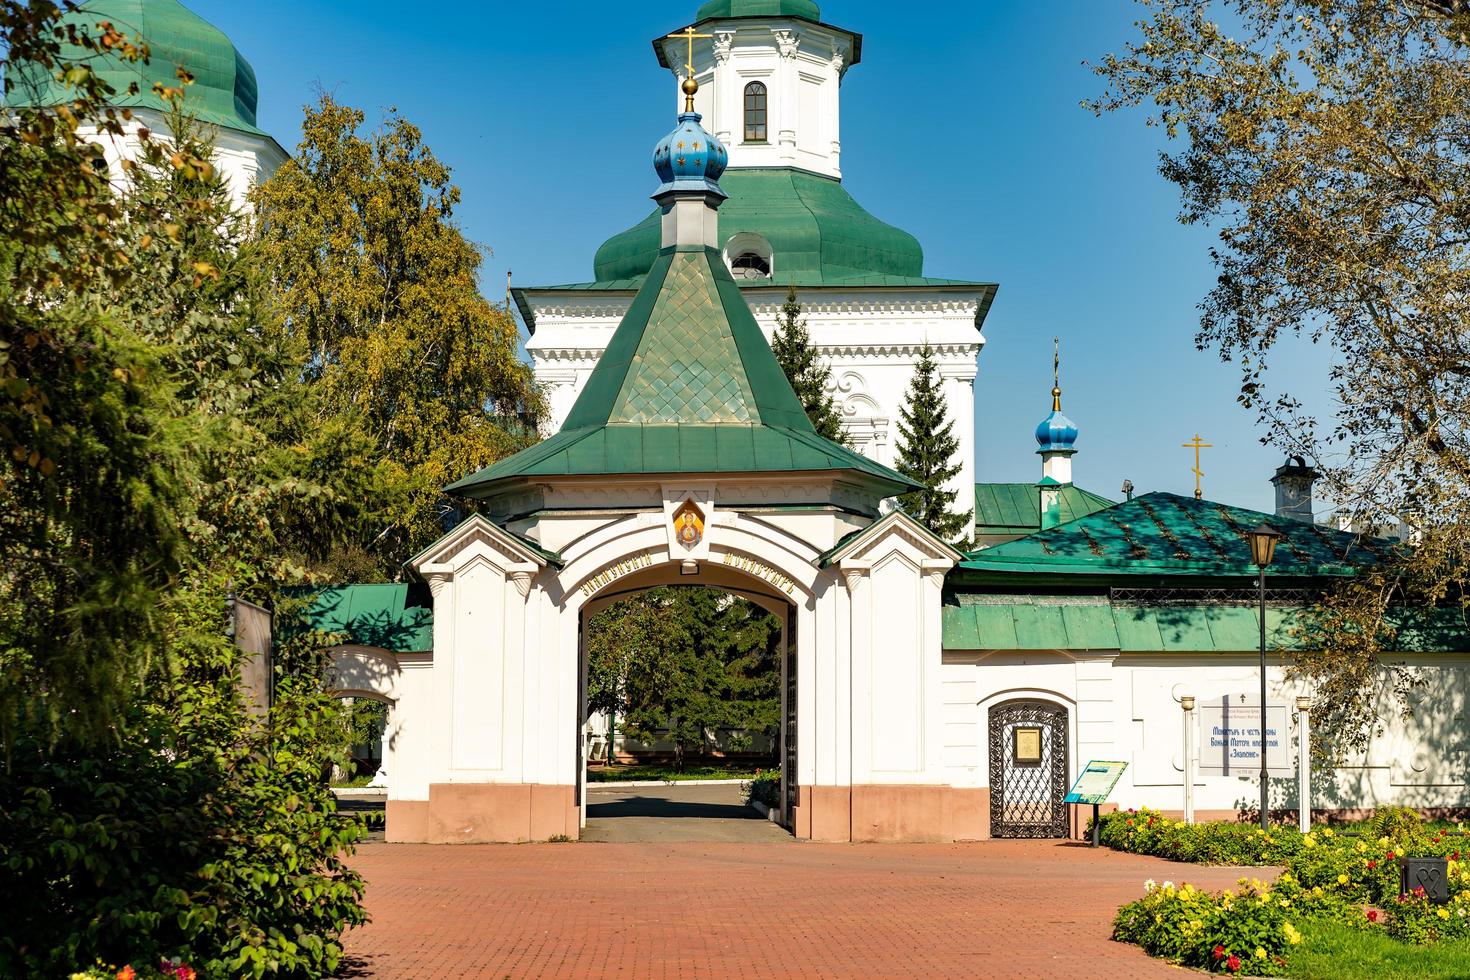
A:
[(1197, 444), (690, 86), (1056, 374), (687, 34)]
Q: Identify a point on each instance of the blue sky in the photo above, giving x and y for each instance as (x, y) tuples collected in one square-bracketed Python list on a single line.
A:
[(961, 125)]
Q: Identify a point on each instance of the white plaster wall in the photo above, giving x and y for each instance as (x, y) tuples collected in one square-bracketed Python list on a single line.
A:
[(1128, 707), (801, 66)]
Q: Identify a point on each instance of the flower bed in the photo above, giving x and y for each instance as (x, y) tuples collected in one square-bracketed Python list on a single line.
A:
[(1349, 876)]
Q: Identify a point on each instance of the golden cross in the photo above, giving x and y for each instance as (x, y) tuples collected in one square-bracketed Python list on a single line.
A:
[(1197, 444), (689, 35)]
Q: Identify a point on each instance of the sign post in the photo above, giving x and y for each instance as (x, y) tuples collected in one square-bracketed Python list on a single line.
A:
[(1304, 765), (1094, 786)]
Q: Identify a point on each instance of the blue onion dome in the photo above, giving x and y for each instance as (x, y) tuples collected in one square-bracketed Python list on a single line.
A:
[(689, 158), (1056, 433)]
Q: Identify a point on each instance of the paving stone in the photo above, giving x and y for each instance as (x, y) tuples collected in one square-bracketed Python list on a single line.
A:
[(989, 909)]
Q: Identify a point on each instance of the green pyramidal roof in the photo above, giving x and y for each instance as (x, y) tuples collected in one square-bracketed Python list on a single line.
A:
[(687, 384)]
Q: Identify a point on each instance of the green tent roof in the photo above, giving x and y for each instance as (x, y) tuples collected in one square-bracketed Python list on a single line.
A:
[(687, 384), (1015, 508), (1163, 533), (818, 234), (224, 92)]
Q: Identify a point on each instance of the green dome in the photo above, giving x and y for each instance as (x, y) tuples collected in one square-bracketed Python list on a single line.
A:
[(224, 91), (805, 9), (817, 233)]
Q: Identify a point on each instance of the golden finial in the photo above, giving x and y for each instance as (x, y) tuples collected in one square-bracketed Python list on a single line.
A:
[(689, 85), (1197, 444), (1056, 374)]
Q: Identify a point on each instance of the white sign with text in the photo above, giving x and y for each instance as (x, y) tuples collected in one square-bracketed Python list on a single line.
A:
[(1230, 738)]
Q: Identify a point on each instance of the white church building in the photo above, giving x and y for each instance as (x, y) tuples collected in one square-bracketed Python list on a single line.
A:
[(927, 694)]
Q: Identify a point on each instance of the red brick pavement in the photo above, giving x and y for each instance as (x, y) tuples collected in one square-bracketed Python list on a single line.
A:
[(992, 909)]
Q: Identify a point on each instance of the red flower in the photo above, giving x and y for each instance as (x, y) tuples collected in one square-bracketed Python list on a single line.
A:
[(1233, 964), (1130, 822), (126, 973), (1372, 864), (1455, 856), (1388, 856), (1219, 952), (1372, 915), (1419, 892), (185, 972)]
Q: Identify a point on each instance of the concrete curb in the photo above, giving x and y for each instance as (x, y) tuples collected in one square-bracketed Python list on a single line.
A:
[(359, 792), (637, 783), (765, 811)]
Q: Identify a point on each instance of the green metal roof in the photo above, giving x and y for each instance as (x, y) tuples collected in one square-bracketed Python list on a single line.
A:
[(687, 384), (805, 9), (224, 92), (393, 616), (1031, 622), (1015, 508), (818, 234), (1166, 534)]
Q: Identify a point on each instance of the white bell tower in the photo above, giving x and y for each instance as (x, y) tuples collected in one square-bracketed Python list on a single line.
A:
[(769, 88)]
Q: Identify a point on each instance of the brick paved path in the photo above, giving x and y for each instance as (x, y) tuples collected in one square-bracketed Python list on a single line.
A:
[(993, 909)]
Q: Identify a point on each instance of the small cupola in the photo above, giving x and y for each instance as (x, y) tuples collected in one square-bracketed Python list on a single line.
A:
[(1294, 481), (1056, 434)]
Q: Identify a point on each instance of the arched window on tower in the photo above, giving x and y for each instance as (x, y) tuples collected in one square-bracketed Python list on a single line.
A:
[(755, 112)]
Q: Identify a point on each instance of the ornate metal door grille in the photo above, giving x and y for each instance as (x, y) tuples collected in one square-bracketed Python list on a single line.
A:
[(1026, 796)]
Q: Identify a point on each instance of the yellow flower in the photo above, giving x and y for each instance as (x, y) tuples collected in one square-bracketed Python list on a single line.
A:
[(1362, 848), (1317, 890), (1292, 936), (1383, 841), (1308, 843), (1260, 953), (1443, 913), (1327, 832), (1342, 879)]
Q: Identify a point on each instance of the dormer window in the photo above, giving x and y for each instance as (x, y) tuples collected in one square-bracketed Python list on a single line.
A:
[(748, 256), (748, 265), (755, 112)]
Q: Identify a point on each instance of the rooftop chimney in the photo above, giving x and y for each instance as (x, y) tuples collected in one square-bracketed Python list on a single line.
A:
[(1293, 482)]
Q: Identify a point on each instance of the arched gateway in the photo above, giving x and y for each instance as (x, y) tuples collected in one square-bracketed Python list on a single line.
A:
[(686, 459)]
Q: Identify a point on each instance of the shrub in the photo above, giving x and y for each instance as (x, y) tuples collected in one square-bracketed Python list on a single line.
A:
[(764, 788), (216, 843), (1227, 933), (1396, 822)]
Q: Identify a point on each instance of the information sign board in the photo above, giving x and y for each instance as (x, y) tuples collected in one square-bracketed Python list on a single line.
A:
[(1096, 782), (1230, 738)]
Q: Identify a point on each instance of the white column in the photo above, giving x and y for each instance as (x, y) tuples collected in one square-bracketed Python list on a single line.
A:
[(727, 95), (1304, 763), (1187, 703), (787, 42)]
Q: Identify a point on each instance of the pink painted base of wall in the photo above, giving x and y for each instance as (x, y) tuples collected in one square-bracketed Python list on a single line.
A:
[(892, 814), (471, 813)]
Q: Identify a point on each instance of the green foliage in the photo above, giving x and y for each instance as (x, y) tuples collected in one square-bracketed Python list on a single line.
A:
[(929, 453), (1326, 145), (1226, 933), (764, 788), (809, 377), (1349, 877), (685, 663), (689, 774), (411, 378), (1335, 951), (202, 834)]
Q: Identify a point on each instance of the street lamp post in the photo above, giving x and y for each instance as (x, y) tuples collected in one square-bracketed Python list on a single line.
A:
[(1263, 548)]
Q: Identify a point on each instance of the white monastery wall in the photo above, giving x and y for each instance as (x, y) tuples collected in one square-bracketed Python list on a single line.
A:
[(1128, 708)]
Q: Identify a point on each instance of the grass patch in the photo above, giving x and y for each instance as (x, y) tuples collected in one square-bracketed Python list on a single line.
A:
[(1334, 951), (625, 774)]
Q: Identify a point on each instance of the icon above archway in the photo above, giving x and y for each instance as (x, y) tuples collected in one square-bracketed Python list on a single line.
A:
[(689, 525)]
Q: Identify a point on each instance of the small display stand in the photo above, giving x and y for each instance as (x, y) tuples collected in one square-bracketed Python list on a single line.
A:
[(1094, 786)]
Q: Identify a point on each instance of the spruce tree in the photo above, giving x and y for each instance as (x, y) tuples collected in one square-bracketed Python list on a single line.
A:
[(930, 454), (809, 377)]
